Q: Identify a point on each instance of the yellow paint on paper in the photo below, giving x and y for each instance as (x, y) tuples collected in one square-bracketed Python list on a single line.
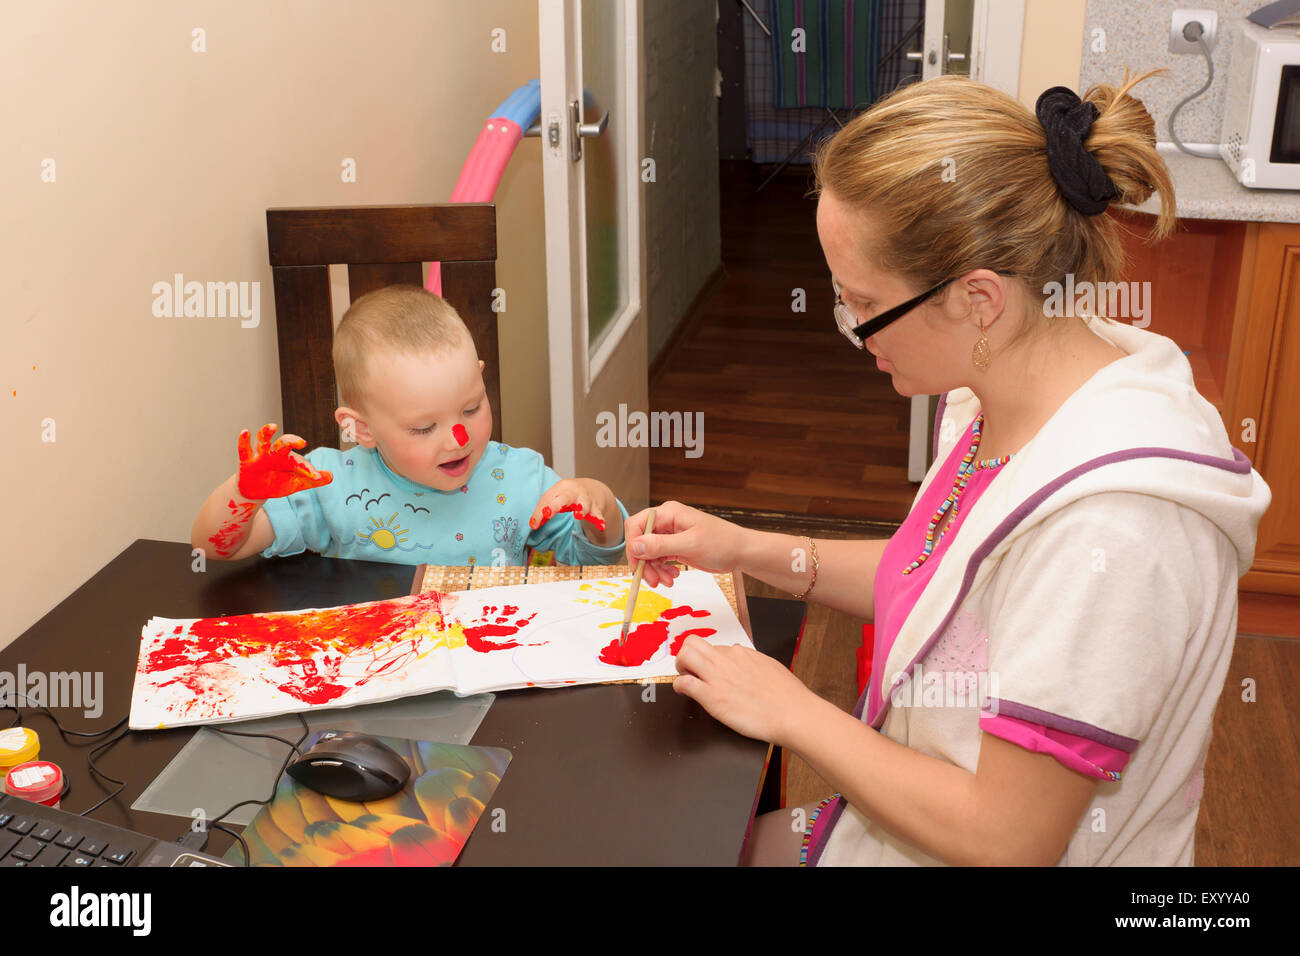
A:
[(650, 605)]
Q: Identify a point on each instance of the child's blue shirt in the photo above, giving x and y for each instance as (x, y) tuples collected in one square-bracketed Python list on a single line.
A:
[(370, 513)]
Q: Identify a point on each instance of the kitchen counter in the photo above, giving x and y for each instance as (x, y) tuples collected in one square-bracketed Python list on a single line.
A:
[(1206, 189)]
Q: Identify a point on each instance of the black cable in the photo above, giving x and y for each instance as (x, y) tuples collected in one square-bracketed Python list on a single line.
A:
[(243, 733), (18, 720), (65, 733), (294, 748), (105, 746), (90, 759), (244, 846)]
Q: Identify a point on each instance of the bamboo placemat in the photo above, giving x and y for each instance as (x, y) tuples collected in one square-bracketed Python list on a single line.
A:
[(442, 577)]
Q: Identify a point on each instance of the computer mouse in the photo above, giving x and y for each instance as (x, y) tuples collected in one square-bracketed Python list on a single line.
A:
[(350, 766)]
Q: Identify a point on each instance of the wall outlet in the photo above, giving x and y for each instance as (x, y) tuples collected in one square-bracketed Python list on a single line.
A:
[(1178, 43)]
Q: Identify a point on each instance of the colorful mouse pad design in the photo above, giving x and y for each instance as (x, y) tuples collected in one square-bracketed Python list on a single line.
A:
[(215, 670), (424, 824)]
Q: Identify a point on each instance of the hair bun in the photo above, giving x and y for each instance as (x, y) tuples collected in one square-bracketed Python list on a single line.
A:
[(1066, 120)]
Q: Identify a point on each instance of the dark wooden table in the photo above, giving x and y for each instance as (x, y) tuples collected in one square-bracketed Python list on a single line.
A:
[(599, 775)]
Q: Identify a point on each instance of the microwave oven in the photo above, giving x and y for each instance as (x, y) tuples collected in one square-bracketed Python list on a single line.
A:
[(1261, 125)]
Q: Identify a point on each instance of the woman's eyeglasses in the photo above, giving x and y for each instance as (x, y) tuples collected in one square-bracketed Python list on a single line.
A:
[(858, 332)]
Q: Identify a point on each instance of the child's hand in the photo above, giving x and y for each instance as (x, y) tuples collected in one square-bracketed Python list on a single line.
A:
[(590, 501), (275, 471)]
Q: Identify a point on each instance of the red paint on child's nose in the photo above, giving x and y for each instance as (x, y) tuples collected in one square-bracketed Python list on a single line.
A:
[(462, 437)]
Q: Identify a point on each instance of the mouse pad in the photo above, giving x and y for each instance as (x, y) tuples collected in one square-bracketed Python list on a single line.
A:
[(424, 824)]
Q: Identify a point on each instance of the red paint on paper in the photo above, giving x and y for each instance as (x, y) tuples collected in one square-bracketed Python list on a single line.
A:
[(680, 639), (683, 610), (462, 437), (231, 534), (645, 639), (312, 646), (497, 625)]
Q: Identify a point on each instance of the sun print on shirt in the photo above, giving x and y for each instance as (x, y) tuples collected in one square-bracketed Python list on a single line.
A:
[(385, 535)]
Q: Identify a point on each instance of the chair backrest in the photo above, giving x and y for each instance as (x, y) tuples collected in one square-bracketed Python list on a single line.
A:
[(381, 245)]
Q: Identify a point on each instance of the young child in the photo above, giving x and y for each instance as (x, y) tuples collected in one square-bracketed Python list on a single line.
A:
[(425, 484)]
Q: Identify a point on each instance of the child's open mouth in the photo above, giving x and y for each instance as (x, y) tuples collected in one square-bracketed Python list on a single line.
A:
[(457, 467)]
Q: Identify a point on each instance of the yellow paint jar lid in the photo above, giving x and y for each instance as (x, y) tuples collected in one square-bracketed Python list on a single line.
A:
[(18, 745)]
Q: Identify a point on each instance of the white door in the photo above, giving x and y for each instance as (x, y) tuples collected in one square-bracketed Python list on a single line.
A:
[(980, 38), (591, 171)]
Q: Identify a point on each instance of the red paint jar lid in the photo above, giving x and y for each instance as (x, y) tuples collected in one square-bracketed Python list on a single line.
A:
[(37, 780)]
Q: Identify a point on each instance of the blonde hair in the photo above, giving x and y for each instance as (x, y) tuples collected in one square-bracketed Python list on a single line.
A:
[(402, 318), (998, 207)]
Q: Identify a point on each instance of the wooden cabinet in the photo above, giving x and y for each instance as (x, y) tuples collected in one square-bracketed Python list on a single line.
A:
[(1229, 294)]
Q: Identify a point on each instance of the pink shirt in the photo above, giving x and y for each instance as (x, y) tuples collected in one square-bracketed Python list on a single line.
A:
[(967, 644)]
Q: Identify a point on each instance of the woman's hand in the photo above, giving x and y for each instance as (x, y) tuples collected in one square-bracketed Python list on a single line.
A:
[(682, 533), (751, 693)]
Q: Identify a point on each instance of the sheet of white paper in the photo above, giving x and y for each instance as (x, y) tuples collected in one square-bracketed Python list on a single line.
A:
[(559, 633), (572, 628), (242, 667)]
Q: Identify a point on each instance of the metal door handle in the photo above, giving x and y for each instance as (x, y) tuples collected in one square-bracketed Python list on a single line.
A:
[(594, 129), (916, 55), (581, 129)]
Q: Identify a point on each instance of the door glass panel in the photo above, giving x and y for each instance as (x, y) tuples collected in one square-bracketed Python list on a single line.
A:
[(604, 161), (958, 15)]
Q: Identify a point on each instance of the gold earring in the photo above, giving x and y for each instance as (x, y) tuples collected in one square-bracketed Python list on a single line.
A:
[(979, 355)]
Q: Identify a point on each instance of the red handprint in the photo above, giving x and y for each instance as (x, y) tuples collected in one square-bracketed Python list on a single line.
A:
[(275, 471)]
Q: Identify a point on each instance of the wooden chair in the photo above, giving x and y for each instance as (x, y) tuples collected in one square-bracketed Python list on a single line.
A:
[(381, 245)]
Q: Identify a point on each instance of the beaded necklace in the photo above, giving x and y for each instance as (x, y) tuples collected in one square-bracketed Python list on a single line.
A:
[(967, 468)]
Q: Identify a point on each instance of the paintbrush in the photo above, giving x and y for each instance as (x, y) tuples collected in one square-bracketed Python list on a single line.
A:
[(636, 583)]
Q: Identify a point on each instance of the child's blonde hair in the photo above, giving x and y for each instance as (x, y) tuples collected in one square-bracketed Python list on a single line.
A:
[(401, 318)]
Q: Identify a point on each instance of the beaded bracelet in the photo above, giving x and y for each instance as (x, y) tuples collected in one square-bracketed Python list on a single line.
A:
[(812, 546)]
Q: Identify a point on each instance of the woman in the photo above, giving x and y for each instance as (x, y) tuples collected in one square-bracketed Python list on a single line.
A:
[(1055, 618)]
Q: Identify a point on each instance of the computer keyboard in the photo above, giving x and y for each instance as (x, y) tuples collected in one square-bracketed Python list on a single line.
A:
[(32, 834)]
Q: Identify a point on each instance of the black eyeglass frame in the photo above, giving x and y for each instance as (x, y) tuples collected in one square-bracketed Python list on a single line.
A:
[(860, 333)]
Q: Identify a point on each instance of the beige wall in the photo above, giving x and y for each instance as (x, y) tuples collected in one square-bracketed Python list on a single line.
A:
[(1051, 50), (166, 161)]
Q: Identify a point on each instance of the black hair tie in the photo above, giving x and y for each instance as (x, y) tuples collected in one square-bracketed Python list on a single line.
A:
[(1067, 119)]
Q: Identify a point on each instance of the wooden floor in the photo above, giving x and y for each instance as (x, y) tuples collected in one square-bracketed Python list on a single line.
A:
[(796, 420), (802, 433)]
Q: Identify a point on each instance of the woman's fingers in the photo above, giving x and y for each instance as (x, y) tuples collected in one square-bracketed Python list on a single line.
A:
[(695, 657), (656, 574)]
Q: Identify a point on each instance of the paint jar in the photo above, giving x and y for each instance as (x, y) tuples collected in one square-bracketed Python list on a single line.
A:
[(38, 781), (17, 745)]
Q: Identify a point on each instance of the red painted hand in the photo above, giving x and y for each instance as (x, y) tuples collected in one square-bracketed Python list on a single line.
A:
[(596, 521), (274, 470)]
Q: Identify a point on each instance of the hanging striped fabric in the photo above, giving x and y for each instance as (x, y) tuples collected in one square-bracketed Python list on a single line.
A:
[(834, 63)]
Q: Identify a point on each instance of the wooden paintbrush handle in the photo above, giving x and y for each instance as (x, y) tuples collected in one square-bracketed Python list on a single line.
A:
[(636, 576)]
